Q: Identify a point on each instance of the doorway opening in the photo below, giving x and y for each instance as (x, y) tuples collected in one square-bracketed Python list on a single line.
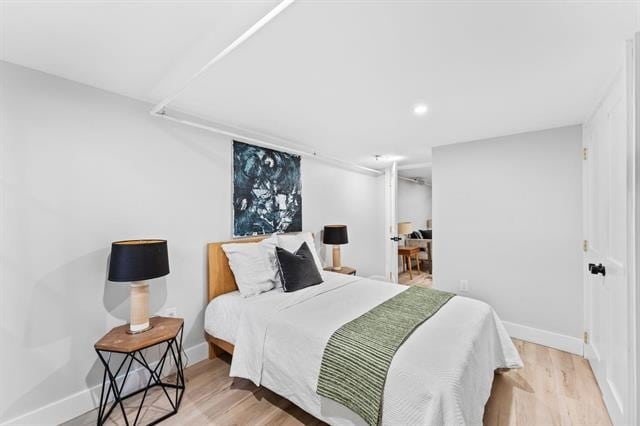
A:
[(409, 224)]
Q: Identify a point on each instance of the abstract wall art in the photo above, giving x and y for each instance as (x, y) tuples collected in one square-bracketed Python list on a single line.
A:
[(267, 191)]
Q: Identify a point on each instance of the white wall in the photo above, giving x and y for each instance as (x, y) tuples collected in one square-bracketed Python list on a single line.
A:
[(507, 216), (414, 203), (82, 168)]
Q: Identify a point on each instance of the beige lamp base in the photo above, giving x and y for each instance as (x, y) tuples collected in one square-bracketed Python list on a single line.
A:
[(337, 263), (149, 327), (139, 295)]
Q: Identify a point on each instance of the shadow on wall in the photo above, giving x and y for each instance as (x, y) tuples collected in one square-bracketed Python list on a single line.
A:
[(65, 318), (116, 296), (194, 334)]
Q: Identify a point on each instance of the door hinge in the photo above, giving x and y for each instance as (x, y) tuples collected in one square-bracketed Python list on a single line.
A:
[(585, 337), (585, 153), (585, 245)]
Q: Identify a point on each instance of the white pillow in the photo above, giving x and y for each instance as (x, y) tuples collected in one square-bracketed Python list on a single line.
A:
[(269, 244), (253, 265), (292, 242)]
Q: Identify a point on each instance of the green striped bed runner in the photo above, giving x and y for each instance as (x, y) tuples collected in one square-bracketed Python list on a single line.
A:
[(358, 355)]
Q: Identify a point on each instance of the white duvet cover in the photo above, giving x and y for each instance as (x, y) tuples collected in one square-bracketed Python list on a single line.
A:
[(223, 314), (441, 375)]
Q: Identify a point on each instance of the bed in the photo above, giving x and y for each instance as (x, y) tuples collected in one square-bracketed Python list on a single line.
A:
[(442, 374)]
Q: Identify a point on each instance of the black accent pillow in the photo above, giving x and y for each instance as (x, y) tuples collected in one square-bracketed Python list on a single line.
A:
[(426, 233), (416, 235), (297, 270)]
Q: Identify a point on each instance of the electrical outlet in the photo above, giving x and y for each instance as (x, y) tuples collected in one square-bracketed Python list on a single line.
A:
[(464, 285), (170, 312)]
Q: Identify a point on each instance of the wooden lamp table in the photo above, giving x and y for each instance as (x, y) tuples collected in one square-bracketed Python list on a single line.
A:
[(164, 330), (406, 252)]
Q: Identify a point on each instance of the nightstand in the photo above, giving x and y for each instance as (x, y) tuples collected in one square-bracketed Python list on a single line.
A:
[(347, 270), (164, 330)]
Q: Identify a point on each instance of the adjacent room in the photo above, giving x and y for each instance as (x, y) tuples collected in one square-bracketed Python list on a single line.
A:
[(414, 207), (299, 212)]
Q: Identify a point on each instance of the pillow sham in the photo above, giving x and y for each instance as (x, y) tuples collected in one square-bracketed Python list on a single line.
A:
[(298, 270), (254, 266), (291, 243), (270, 244)]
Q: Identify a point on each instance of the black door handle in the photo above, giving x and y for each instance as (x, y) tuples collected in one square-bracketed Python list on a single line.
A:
[(395, 238), (597, 269)]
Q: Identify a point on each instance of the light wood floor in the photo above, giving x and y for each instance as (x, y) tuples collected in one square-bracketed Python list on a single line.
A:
[(422, 280), (554, 388)]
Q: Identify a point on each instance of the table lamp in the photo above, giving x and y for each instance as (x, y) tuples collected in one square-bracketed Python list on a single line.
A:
[(136, 261), (405, 228), (335, 235)]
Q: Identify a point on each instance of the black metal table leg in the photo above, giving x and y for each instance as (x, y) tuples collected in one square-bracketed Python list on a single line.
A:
[(113, 385), (104, 399), (174, 347)]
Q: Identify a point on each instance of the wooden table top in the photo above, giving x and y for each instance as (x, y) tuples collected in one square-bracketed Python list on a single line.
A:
[(118, 340), (408, 250), (347, 270)]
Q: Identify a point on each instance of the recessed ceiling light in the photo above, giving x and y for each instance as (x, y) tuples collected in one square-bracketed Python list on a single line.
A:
[(420, 109)]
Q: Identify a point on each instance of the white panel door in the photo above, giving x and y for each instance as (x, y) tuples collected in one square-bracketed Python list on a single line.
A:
[(391, 222), (606, 289)]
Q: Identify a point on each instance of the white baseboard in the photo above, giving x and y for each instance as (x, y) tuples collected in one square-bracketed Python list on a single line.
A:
[(86, 400), (545, 338)]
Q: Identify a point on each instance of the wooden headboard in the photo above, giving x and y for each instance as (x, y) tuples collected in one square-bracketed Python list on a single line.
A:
[(221, 279)]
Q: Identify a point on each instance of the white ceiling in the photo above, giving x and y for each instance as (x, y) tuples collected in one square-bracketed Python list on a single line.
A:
[(340, 77), (421, 171), (125, 47)]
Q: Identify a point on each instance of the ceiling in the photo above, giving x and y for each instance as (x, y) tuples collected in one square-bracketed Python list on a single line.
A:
[(420, 171), (341, 78)]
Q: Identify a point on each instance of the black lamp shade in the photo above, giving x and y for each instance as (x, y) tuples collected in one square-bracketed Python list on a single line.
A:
[(335, 234), (138, 260)]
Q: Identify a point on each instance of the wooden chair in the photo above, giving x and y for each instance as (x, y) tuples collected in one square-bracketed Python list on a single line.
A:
[(425, 255)]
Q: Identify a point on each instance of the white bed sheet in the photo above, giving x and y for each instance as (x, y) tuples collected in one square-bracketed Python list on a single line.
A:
[(442, 374)]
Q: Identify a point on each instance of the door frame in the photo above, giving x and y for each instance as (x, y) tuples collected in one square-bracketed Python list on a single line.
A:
[(633, 214), (632, 88)]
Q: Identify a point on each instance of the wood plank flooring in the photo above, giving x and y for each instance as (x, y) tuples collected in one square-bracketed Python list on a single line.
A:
[(422, 280), (554, 388)]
